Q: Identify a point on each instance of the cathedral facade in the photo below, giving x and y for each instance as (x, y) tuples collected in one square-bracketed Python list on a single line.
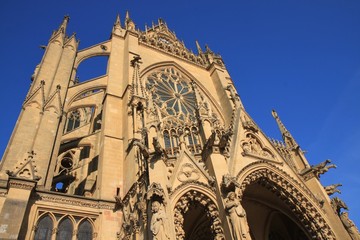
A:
[(160, 147)]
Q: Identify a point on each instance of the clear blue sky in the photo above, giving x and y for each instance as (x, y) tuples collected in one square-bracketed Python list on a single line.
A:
[(301, 58)]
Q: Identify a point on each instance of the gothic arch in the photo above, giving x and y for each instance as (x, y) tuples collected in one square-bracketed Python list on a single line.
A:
[(84, 93), (303, 205), (189, 76), (204, 220), (44, 229)]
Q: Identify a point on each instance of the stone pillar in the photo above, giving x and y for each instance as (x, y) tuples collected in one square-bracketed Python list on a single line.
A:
[(15, 205)]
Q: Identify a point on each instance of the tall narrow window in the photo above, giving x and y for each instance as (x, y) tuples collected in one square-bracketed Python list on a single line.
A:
[(44, 228), (167, 140), (65, 230), (78, 118), (85, 231)]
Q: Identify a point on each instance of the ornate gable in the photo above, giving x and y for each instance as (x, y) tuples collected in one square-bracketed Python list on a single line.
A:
[(188, 170)]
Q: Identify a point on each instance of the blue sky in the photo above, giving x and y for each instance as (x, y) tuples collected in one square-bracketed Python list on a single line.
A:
[(301, 58)]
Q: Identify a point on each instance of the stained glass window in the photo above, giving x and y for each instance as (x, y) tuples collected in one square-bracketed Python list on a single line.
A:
[(172, 93), (65, 230), (44, 228), (85, 231)]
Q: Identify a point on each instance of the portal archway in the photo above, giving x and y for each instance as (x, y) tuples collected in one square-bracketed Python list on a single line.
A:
[(196, 217), (266, 189)]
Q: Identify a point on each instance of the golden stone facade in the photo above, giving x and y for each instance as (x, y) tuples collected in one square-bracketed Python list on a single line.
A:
[(160, 147)]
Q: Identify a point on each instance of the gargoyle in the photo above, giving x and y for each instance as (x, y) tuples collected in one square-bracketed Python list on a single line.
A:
[(225, 138), (337, 204), (331, 189), (157, 146), (143, 149), (322, 167)]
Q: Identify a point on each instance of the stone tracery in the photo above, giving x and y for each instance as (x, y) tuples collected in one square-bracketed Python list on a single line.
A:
[(306, 212)]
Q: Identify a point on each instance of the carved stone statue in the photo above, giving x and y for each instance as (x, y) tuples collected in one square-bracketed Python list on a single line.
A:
[(237, 216), (350, 226), (158, 222), (331, 189), (337, 204), (322, 167)]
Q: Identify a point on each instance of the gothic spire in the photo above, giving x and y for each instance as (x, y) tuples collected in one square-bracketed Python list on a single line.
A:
[(288, 139), (137, 87), (198, 47), (129, 23), (60, 33), (63, 25), (117, 26)]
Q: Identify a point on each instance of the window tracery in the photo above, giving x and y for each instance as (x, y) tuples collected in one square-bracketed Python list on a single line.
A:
[(63, 227), (175, 100), (75, 172), (78, 118), (172, 94)]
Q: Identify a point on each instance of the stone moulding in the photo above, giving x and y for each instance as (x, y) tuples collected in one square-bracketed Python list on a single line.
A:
[(21, 183), (294, 194), (74, 200)]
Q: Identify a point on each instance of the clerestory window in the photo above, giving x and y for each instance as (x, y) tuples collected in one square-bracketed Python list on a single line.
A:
[(78, 118)]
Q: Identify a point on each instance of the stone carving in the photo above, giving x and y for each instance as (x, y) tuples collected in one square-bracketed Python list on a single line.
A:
[(182, 206), (273, 178), (157, 146), (234, 96), (331, 189), (76, 201), (249, 124), (188, 173), (338, 204), (161, 38), (322, 168), (26, 169), (251, 146), (158, 222), (350, 226), (143, 149), (237, 216), (155, 190)]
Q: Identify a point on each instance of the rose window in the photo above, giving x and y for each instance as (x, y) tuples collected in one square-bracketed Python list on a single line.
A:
[(172, 94)]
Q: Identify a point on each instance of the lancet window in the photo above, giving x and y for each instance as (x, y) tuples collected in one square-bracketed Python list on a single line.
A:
[(63, 227), (44, 228), (78, 118)]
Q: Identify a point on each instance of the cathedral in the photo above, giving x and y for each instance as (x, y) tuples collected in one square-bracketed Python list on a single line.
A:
[(159, 147)]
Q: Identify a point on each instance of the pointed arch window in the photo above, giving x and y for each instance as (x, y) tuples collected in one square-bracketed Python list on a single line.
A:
[(65, 230), (44, 228), (78, 118), (171, 141), (193, 140), (85, 231)]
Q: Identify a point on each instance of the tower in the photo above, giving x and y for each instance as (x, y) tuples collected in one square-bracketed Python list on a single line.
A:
[(160, 147)]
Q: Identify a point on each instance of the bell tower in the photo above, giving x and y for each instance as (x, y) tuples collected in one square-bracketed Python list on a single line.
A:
[(159, 147)]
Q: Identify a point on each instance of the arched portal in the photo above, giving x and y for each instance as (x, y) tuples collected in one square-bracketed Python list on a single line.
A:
[(197, 217), (269, 218), (267, 190)]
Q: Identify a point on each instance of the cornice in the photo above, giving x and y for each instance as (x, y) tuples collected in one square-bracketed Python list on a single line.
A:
[(48, 196)]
